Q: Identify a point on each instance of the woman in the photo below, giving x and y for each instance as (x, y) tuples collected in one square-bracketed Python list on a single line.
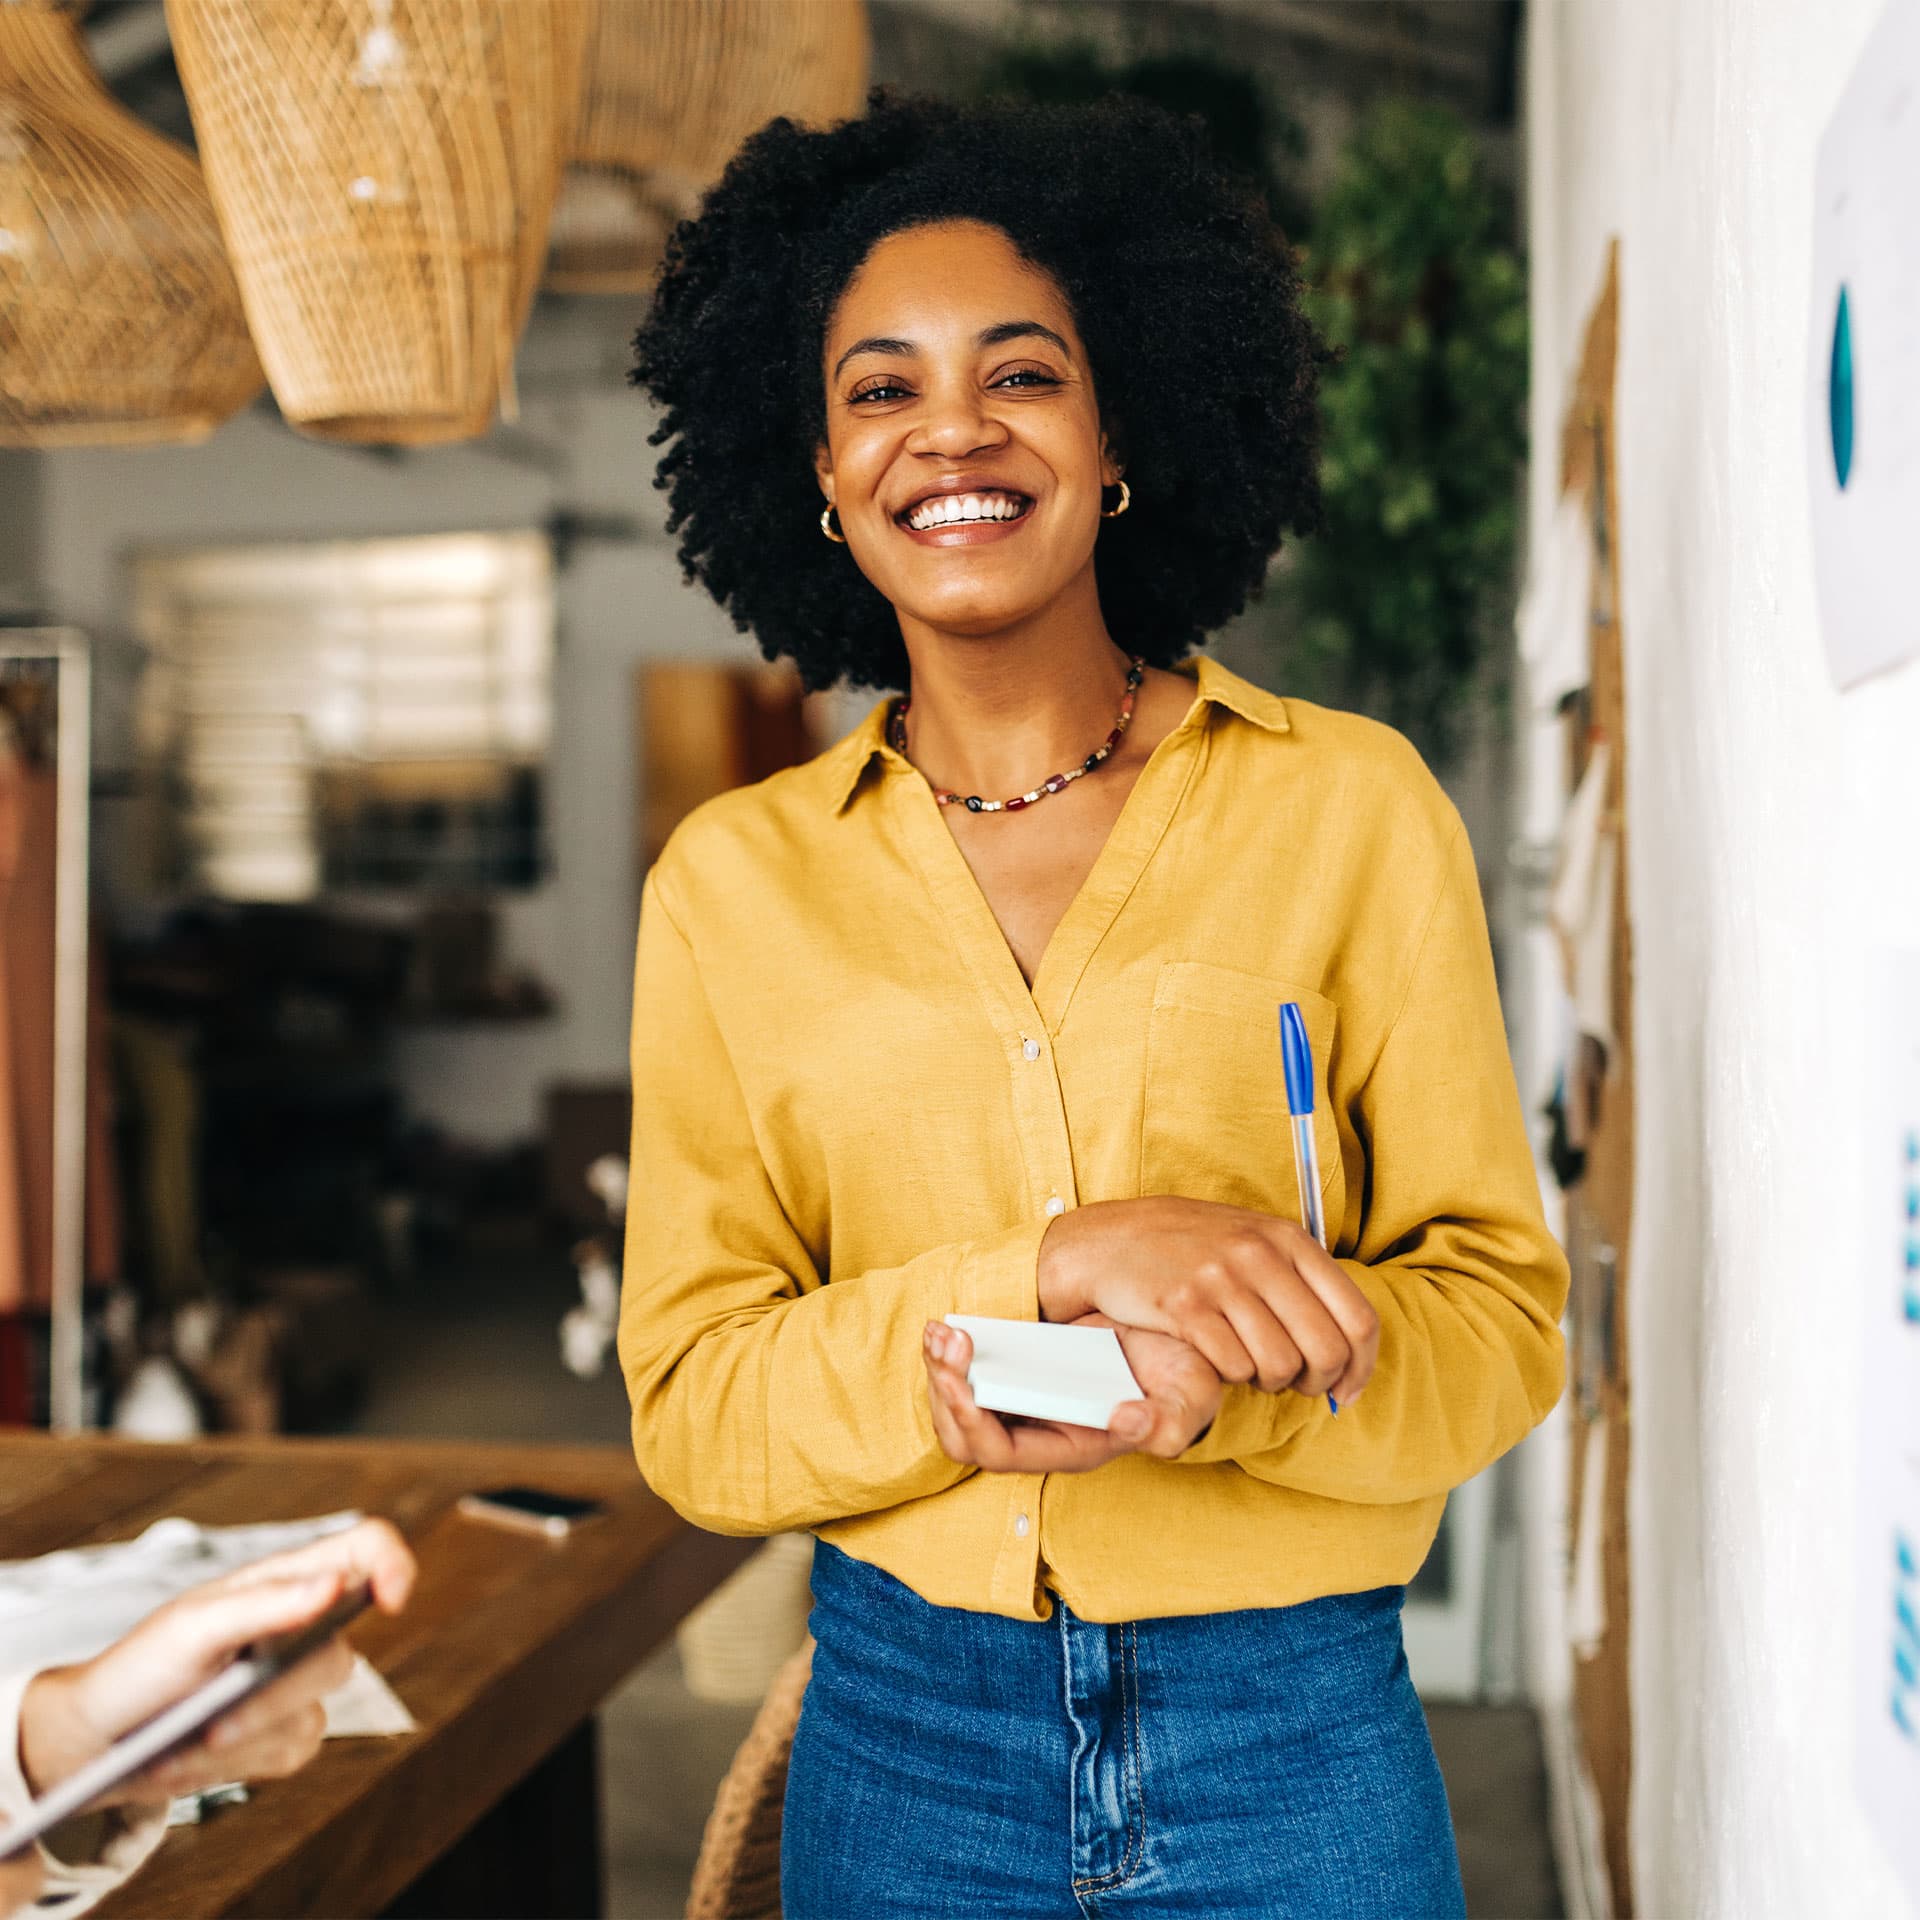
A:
[(900, 1051)]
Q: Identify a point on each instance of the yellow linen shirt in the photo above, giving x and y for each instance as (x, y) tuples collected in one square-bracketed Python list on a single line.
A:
[(851, 1116)]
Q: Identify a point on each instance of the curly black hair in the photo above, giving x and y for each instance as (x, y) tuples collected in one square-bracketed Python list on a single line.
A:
[(1184, 292)]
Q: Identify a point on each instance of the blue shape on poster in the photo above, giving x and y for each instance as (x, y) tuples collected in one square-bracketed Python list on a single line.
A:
[(1840, 392)]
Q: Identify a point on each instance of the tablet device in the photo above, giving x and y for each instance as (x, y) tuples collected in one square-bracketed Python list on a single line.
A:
[(1078, 1375), (266, 1660)]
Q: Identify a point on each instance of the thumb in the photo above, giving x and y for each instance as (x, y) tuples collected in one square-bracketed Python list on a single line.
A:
[(189, 1640)]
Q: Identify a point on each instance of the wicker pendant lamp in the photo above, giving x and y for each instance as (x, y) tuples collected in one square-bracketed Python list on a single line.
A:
[(384, 171), (672, 88), (120, 323)]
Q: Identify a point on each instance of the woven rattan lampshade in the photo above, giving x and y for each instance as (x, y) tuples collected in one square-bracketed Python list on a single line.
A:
[(672, 88), (119, 318), (384, 172)]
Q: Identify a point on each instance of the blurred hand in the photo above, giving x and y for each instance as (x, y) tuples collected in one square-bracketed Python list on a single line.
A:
[(1182, 1396), (73, 1714), (19, 1882), (1257, 1296)]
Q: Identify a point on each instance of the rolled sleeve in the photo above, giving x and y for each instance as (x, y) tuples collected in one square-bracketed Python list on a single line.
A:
[(83, 1859)]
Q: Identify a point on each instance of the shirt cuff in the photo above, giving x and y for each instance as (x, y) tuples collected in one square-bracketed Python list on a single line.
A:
[(85, 1858), (1000, 1276), (1250, 1422)]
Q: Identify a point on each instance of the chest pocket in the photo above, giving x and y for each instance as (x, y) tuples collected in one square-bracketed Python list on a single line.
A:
[(1215, 1124)]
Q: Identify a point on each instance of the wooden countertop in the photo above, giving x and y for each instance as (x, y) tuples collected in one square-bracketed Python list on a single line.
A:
[(509, 1643)]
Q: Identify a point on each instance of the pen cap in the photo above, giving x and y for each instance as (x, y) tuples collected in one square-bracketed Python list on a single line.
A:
[(1297, 1056)]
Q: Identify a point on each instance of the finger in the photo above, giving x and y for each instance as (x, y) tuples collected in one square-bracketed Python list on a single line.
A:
[(284, 1698), (1054, 1446), (1277, 1358), (1324, 1349), (1211, 1335), (1352, 1311), (949, 1353), (982, 1434), (187, 1641), (370, 1552), (1176, 1418), (946, 1429), (271, 1754), (1324, 1352)]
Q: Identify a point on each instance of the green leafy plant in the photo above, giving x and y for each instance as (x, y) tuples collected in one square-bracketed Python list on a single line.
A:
[(1412, 280), (1425, 426)]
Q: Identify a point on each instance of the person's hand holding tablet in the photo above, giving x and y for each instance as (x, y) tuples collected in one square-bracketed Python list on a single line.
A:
[(71, 1715)]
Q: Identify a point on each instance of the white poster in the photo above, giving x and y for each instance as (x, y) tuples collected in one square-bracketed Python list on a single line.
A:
[(1887, 1592), (1863, 373)]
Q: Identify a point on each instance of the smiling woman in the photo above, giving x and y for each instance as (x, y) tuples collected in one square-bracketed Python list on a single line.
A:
[(1168, 295), (905, 1049)]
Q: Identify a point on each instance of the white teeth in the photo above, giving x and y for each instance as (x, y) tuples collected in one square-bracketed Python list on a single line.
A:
[(948, 508)]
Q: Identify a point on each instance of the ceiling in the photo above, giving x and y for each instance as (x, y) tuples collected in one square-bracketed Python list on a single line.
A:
[(1460, 51)]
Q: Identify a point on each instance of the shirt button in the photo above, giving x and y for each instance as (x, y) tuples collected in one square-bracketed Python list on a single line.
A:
[(1056, 1205), (1020, 1525), (1031, 1049)]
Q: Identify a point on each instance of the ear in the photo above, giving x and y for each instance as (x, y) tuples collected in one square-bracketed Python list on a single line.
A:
[(823, 468), (1113, 460)]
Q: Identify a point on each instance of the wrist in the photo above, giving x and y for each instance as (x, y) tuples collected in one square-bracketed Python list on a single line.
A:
[(1063, 1294), (52, 1735)]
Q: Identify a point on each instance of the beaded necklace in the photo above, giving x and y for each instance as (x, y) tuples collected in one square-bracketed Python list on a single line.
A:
[(897, 739)]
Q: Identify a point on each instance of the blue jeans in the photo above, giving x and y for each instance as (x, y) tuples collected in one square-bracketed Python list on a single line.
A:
[(1273, 1762)]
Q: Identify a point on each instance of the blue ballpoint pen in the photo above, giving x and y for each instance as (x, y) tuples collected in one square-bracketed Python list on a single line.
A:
[(1296, 1056)]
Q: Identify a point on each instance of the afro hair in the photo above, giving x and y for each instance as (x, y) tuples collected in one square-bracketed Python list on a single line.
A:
[(1184, 293)]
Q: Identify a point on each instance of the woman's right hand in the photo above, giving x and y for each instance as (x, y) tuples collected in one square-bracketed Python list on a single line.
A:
[(1257, 1296)]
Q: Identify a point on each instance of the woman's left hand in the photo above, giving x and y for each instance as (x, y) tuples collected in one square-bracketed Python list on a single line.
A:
[(1182, 1396)]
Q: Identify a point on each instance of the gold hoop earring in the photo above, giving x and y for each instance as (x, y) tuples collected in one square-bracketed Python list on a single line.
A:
[(1126, 500), (839, 539)]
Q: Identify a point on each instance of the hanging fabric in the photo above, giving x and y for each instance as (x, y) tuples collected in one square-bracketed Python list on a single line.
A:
[(28, 822)]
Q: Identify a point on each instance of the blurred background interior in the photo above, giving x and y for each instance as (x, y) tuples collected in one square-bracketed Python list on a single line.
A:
[(348, 684)]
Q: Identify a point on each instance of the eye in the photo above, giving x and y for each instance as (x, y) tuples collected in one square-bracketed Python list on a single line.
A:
[(869, 393), (1028, 373)]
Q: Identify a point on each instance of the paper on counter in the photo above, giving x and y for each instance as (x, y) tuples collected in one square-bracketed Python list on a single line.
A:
[(1074, 1374), (363, 1705)]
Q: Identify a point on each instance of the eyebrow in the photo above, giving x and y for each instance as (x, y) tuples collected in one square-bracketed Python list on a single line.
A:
[(986, 337)]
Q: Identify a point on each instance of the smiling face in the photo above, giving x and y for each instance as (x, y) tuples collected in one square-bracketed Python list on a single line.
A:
[(964, 450)]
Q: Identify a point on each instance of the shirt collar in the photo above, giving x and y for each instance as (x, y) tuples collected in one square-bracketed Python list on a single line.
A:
[(844, 764)]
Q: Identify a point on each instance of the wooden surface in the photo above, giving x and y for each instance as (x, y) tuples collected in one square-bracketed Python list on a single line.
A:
[(509, 1643), (1604, 1197)]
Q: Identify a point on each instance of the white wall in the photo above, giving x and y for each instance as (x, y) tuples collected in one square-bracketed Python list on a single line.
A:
[(618, 605), (1772, 824)]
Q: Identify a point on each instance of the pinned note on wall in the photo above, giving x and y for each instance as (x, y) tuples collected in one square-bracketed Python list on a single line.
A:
[(1863, 356), (1887, 1574)]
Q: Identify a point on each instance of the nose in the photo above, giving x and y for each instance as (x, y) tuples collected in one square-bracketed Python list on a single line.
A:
[(956, 421)]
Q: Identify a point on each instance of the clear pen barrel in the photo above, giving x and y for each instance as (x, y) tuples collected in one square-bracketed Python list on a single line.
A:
[(1306, 1167)]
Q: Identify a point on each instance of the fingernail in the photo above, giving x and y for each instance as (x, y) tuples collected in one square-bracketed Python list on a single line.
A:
[(1131, 1422)]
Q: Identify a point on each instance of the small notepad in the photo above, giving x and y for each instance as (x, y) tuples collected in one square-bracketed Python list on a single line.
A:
[(1075, 1374)]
